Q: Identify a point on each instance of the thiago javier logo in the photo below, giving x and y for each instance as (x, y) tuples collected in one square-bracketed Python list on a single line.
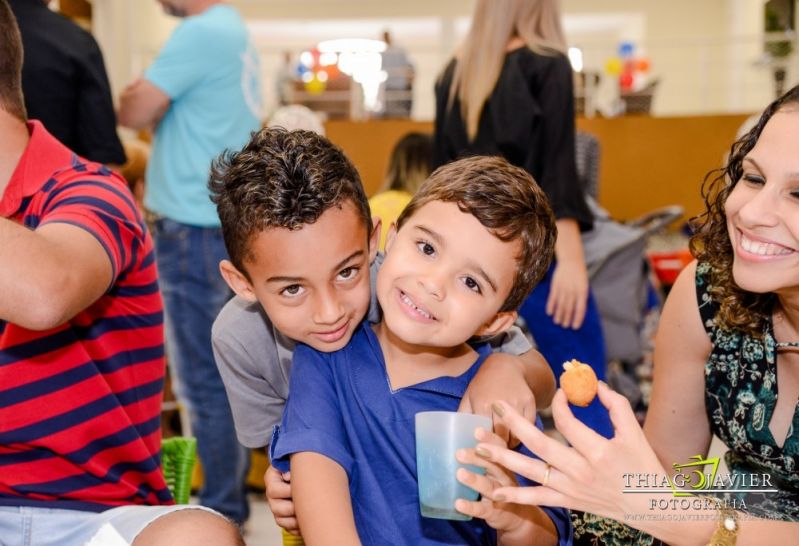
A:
[(692, 480)]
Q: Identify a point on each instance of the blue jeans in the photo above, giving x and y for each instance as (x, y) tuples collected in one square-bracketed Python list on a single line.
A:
[(559, 345), (194, 293)]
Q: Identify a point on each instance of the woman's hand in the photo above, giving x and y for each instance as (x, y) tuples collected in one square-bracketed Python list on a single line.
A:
[(568, 292), (516, 523), (495, 476), (590, 476)]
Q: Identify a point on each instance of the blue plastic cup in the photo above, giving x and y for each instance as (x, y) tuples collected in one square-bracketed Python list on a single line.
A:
[(439, 434)]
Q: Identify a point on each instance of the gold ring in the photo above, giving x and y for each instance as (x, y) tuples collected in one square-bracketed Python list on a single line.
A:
[(546, 475)]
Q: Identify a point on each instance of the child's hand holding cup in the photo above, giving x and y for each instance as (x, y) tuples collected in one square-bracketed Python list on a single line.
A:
[(439, 434)]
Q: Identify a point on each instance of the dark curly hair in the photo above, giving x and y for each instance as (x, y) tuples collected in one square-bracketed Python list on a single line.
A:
[(738, 309), (506, 200), (282, 179)]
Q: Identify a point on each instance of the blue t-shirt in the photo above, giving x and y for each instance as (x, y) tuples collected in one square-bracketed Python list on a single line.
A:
[(341, 405), (210, 70)]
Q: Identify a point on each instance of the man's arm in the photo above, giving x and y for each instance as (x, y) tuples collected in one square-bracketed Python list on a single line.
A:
[(49, 275), (322, 500), (142, 105)]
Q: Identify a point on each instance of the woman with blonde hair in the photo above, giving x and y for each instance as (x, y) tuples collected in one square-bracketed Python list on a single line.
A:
[(508, 92)]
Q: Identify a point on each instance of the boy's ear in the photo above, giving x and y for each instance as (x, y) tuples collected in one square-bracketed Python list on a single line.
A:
[(237, 281), (501, 322), (374, 240), (391, 236)]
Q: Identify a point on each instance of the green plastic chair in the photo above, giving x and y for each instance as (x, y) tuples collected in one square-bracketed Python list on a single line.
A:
[(178, 455)]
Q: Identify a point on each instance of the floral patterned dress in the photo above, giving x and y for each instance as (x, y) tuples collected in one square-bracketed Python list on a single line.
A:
[(743, 369)]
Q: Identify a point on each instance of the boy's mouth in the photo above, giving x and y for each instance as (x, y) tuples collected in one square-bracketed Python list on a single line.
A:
[(333, 335), (414, 310)]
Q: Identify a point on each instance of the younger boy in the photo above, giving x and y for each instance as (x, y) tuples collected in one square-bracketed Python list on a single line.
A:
[(468, 249)]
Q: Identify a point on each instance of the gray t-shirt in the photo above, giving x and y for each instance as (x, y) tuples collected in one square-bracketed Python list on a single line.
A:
[(254, 360)]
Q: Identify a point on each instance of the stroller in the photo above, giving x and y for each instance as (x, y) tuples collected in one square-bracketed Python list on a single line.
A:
[(615, 254), (619, 275)]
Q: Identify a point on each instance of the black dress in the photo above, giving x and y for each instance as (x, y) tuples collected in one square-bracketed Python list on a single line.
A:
[(529, 120)]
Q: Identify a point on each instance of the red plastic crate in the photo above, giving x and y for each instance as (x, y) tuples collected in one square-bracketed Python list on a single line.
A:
[(667, 265)]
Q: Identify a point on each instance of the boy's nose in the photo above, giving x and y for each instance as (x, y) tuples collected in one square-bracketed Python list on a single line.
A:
[(327, 309), (432, 284)]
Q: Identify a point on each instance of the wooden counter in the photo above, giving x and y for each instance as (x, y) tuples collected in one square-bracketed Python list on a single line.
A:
[(646, 162)]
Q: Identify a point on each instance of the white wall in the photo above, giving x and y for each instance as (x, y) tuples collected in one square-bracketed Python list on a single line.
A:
[(703, 51)]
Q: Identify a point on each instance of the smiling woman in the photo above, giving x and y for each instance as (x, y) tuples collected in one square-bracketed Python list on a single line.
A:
[(728, 341)]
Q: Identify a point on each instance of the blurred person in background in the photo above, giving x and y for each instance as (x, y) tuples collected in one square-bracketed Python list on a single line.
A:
[(410, 164), (398, 87), (284, 80), (201, 96), (65, 82), (509, 92)]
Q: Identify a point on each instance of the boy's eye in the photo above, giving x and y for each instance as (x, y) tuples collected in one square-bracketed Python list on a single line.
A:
[(472, 284), (292, 291), (425, 248), (347, 273)]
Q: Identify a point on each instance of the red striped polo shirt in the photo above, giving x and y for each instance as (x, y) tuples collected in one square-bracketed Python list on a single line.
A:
[(80, 403)]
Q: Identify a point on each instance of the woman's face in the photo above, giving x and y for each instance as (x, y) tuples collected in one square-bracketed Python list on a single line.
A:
[(763, 210)]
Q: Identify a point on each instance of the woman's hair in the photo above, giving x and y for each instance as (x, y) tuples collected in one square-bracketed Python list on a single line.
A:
[(411, 163), (738, 308), (494, 24)]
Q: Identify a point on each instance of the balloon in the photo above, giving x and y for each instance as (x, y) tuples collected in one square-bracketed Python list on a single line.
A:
[(626, 81), (642, 65), (626, 49), (613, 66), (333, 71), (315, 53), (315, 85)]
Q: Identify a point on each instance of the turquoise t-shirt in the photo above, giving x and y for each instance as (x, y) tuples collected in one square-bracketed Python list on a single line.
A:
[(210, 70)]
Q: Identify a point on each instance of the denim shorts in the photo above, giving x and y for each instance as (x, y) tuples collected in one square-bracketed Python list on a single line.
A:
[(34, 526)]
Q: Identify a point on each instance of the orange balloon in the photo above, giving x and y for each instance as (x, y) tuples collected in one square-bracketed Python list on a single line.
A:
[(332, 71), (642, 65)]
